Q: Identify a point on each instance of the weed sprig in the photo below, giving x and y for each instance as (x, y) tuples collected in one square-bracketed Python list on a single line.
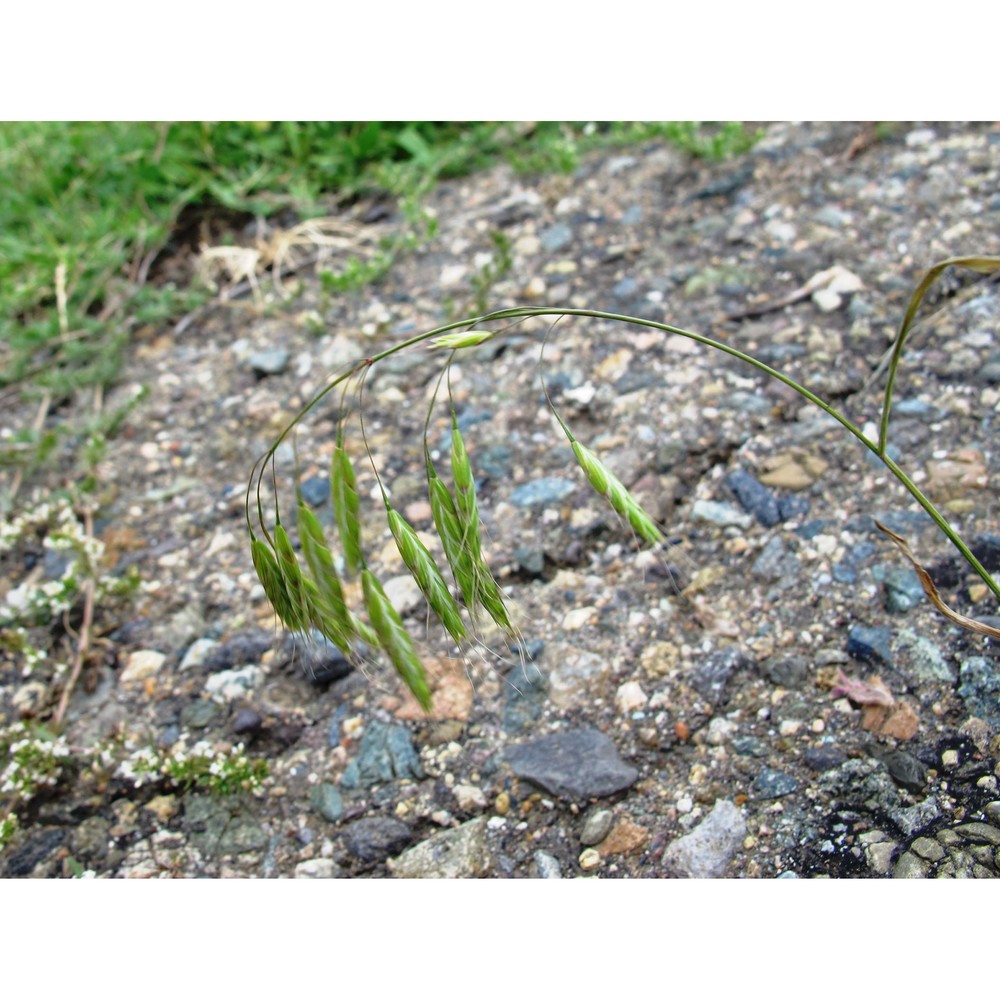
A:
[(455, 510)]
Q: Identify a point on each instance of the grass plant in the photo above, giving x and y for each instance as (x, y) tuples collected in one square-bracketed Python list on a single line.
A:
[(455, 512)]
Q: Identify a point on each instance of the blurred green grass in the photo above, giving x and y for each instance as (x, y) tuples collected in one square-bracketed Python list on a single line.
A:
[(87, 206)]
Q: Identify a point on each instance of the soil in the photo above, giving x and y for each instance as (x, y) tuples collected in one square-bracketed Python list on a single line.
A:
[(774, 655)]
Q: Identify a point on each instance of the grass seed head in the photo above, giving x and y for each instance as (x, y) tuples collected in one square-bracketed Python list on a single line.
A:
[(322, 567), (344, 494), (394, 638), (449, 529), (467, 338), (613, 490), (422, 567)]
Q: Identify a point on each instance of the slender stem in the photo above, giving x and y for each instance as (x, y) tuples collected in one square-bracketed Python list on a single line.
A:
[(877, 448)]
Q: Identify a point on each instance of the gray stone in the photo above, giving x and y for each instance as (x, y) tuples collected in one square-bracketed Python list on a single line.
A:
[(776, 562), (316, 490), (771, 784), (873, 645), (722, 514), (460, 852), (710, 677), (916, 818), (376, 838), (788, 672), (555, 237), (906, 770), (272, 362), (327, 801), (706, 851), (910, 866), (979, 688), (546, 865), (530, 559), (386, 754), (754, 497), (921, 659), (198, 714), (318, 868), (928, 849), (217, 826), (541, 492), (596, 827), (231, 685), (197, 652), (980, 833), (578, 764), (903, 590)]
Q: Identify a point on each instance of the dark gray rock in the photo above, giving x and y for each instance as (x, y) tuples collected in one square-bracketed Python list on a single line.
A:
[(530, 559), (320, 661), (710, 677), (316, 490), (754, 497), (793, 505), (23, 861), (578, 764), (198, 714), (906, 770), (871, 644), (776, 563), (979, 688), (526, 695), (239, 649), (823, 758), (386, 753), (247, 722), (376, 838), (788, 671), (219, 826), (771, 784)]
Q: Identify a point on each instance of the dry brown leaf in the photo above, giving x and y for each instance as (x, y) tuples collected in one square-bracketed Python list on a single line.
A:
[(932, 593)]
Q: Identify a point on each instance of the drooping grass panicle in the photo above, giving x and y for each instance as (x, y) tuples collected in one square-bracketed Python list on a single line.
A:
[(344, 495), (394, 638), (423, 569)]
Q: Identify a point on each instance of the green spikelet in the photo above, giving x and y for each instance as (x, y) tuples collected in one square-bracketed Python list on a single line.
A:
[(394, 638), (422, 567), (344, 493)]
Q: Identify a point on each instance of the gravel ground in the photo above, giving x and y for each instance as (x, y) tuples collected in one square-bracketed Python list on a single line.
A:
[(768, 695)]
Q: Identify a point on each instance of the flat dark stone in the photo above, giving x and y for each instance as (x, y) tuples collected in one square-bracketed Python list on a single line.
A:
[(906, 770), (771, 784), (377, 838), (23, 861), (712, 675), (754, 497), (873, 645), (579, 764)]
